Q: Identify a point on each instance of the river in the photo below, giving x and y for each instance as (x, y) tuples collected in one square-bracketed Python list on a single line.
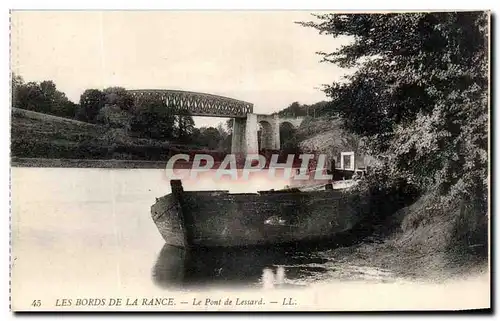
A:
[(94, 225), (88, 233)]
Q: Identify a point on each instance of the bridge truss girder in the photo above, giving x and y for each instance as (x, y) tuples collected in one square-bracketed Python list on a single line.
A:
[(198, 104)]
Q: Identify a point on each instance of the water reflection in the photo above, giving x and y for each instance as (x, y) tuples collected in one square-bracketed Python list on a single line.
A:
[(242, 267)]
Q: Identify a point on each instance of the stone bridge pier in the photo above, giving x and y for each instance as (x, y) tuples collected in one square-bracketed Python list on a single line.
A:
[(245, 132)]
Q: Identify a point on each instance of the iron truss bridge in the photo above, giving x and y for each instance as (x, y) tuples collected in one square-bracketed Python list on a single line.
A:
[(197, 104)]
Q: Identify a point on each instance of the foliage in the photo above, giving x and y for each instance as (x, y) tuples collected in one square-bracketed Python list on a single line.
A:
[(41, 97), (419, 95), (114, 117), (213, 138), (225, 139), (114, 136), (114, 107), (209, 137), (91, 102), (152, 119), (120, 97), (184, 126), (287, 133), (299, 110), (418, 100), (229, 125)]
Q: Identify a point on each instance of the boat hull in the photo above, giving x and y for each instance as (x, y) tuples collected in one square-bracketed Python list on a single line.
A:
[(220, 219)]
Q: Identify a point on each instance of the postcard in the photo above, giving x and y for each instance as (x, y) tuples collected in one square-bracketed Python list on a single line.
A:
[(250, 161)]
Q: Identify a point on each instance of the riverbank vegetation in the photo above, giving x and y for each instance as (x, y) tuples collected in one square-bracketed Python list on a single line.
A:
[(418, 101)]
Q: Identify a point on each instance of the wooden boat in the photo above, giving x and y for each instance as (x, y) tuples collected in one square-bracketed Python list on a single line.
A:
[(196, 219)]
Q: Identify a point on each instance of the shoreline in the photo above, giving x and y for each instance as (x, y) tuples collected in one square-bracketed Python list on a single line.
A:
[(115, 163), (85, 163), (404, 264)]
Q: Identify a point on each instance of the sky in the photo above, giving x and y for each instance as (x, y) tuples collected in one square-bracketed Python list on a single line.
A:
[(262, 57)]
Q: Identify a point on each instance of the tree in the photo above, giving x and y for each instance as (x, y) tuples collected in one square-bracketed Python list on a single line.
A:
[(120, 97), (57, 101), (287, 132), (114, 117), (319, 109), (210, 137), (29, 96), (17, 81), (185, 125), (229, 125), (294, 110), (91, 102), (225, 139), (41, 97), (152, 119), (418, 96)]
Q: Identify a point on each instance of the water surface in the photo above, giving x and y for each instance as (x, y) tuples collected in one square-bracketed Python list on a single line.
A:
[(91, 228)]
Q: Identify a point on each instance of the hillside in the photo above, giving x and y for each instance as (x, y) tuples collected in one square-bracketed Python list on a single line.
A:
[(36, 135), (324, 135)]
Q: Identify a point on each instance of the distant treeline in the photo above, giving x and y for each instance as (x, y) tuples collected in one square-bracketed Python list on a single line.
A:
[(318, 109), (114, 108)]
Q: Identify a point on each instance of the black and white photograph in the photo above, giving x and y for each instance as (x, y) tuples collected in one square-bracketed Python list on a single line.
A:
[(250, 160)]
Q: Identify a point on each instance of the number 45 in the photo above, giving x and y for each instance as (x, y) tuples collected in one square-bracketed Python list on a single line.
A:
[(36, 303)]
